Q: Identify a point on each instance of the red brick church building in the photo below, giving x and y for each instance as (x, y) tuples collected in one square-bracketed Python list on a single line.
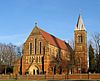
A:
[(43, 53)]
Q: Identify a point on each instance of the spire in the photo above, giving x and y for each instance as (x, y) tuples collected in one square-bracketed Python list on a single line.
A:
[(80, 24)]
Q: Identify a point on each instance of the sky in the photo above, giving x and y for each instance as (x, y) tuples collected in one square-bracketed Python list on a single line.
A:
[(58, 17)]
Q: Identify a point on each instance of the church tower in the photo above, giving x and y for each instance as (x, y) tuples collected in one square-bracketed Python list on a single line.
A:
[(81, 46)]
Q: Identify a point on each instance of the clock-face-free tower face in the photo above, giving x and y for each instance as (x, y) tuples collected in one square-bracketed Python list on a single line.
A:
[(81, 45)]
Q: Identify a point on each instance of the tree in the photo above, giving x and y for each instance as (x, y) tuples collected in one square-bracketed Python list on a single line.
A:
[(72, 43), (19, 51), (96, 38), (56, 62), (8, 55), (91, 59)]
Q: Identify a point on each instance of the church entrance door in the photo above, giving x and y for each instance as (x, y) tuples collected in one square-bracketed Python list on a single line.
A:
[(33, 70)]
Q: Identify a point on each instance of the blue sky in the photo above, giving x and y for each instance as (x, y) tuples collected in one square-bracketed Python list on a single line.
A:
[(58, 17)]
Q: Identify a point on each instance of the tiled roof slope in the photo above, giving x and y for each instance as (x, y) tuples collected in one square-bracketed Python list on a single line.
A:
[(53, 40)]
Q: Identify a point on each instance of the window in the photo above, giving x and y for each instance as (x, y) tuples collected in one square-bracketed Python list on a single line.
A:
[(39, 59), (30, 48), (40, 47), (33, 59), (80, 39), (36, 59), (35, 47)]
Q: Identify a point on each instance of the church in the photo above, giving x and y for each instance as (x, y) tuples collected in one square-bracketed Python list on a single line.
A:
[(43, 53)]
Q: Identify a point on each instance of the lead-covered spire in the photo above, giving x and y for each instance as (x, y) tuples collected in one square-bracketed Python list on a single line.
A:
[(80, 24)]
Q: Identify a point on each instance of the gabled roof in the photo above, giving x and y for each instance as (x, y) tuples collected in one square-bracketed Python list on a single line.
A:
[(53, 40), (80, 24)]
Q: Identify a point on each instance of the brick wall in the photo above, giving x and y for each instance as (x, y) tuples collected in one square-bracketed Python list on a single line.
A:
[(52, 77)]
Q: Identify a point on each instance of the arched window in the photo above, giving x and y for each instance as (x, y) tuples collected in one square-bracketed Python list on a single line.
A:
[(40, 47), (30, 48), (80, 39), (35, 47)]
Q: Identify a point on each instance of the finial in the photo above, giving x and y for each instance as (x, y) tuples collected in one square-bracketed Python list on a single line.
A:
[(35, 23)]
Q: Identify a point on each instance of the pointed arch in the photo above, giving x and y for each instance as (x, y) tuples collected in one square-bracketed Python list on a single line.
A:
[(80, 38)]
